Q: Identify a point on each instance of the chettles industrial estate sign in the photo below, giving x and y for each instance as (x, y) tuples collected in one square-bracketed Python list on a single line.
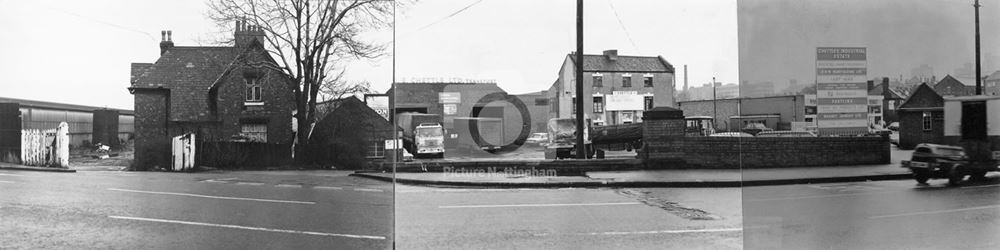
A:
[(841, 90)]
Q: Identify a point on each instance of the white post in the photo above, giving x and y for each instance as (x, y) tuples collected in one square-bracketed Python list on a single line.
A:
[(62, 145)]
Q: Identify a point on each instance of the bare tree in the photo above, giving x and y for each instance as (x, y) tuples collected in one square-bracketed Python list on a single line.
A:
[(309, 38)]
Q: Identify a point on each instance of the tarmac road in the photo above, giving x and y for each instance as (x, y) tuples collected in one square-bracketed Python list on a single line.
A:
[(241, 210)]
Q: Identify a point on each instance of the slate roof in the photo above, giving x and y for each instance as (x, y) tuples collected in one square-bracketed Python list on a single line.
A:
[(187, 72), (924, 98), (602, 63), (893, 94), (951, 86)]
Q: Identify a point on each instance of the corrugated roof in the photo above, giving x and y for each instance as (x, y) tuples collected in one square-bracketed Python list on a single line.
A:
[(59, 106), (603, 63)]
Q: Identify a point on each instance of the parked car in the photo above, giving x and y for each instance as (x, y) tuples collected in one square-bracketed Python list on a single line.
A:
[(786, 133), (939, 161), (537, 139), (731, 134)]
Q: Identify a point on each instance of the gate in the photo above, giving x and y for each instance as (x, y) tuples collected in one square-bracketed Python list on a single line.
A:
[(48, 147), (182, 152)]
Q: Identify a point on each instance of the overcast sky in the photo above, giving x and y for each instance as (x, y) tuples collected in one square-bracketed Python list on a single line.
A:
[(778, 38), (79, 51)]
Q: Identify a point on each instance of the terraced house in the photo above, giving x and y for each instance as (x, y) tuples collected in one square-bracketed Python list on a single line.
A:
[(617, 88), (226, 93)]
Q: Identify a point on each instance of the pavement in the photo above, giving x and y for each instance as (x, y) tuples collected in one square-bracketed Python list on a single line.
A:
[(11, 166), (504, 178)]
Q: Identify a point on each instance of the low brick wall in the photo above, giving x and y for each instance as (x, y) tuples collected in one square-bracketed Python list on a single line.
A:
[(754, 152)]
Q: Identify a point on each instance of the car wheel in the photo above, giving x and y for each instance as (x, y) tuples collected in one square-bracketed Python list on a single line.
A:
[(920, 175), (955, 175)]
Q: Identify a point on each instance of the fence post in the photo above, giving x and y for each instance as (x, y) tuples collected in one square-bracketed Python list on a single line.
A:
[(62, 145)]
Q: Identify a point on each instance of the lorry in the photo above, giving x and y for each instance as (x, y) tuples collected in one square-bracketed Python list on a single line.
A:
[(616, 137), (423, 135), (477, 133), (971, 144), (562, 138)]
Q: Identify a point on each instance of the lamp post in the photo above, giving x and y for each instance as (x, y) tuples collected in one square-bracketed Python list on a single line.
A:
[(581, 151)]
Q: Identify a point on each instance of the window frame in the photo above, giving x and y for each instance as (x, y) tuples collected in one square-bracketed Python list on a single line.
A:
[(647, 102), (598, 104), (253, 92), (254, 136), (626, 81), (598, 80), (375, 149), (647, 81), (926, 121)]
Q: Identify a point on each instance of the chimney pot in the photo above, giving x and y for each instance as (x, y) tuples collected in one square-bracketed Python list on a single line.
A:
[(163, 35), (168, 36)]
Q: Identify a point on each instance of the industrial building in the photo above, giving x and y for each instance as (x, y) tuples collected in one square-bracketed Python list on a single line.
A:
[(87, 124)]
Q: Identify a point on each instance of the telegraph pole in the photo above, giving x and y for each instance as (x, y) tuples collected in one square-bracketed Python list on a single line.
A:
[(715, 109), (979, 73), (581, 150)]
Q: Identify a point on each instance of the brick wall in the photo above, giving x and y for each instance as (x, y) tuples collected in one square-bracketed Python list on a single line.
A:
[(911, 131), (665, 145), (753, 152), (152, 145)]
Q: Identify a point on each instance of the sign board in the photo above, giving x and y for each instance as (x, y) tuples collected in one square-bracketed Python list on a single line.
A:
[(450, 97), (841, 89), (391, 144), (623, 101), (379, 103), (450, 108)]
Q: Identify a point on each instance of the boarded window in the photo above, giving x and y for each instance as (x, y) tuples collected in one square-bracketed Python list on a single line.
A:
[(254, 132)]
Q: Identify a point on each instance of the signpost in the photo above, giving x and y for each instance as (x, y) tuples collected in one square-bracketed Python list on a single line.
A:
[(841, 90)]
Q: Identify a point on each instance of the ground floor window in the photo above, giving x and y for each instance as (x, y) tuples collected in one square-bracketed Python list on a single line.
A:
[(254, 132), (376, 149), (927, 121)]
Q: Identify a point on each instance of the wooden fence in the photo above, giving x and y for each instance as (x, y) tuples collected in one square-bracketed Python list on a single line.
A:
[(183, 152), (243, 155), (48, 147)]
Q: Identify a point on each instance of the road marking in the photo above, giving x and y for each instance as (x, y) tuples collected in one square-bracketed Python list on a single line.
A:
[(7, 182), (328, 187), (250, 183), (545, 205), (984, 186), (371, 237), (288, 186), (13, 174), (368, 190), (715, 230), (819, 196), (213, 197), (934, 212)]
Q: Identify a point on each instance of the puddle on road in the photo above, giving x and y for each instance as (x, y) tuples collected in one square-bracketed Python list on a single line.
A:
[(669, 206)]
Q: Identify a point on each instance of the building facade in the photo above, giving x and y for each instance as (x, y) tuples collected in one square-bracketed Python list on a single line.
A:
[(350, 134), (921, 118), (617, 88), (230, 93)]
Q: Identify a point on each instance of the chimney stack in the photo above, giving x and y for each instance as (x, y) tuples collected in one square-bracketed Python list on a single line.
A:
[(685, 77), (166, 43), (885, 88), (246, 33), (612, 54)]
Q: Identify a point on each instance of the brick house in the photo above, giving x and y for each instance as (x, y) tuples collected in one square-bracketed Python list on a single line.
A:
[(219, 93), (949, 86), (617, 88), (921, 118), (350, 143)]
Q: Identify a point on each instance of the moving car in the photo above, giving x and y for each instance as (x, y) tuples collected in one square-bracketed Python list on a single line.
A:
[(940, 161)]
